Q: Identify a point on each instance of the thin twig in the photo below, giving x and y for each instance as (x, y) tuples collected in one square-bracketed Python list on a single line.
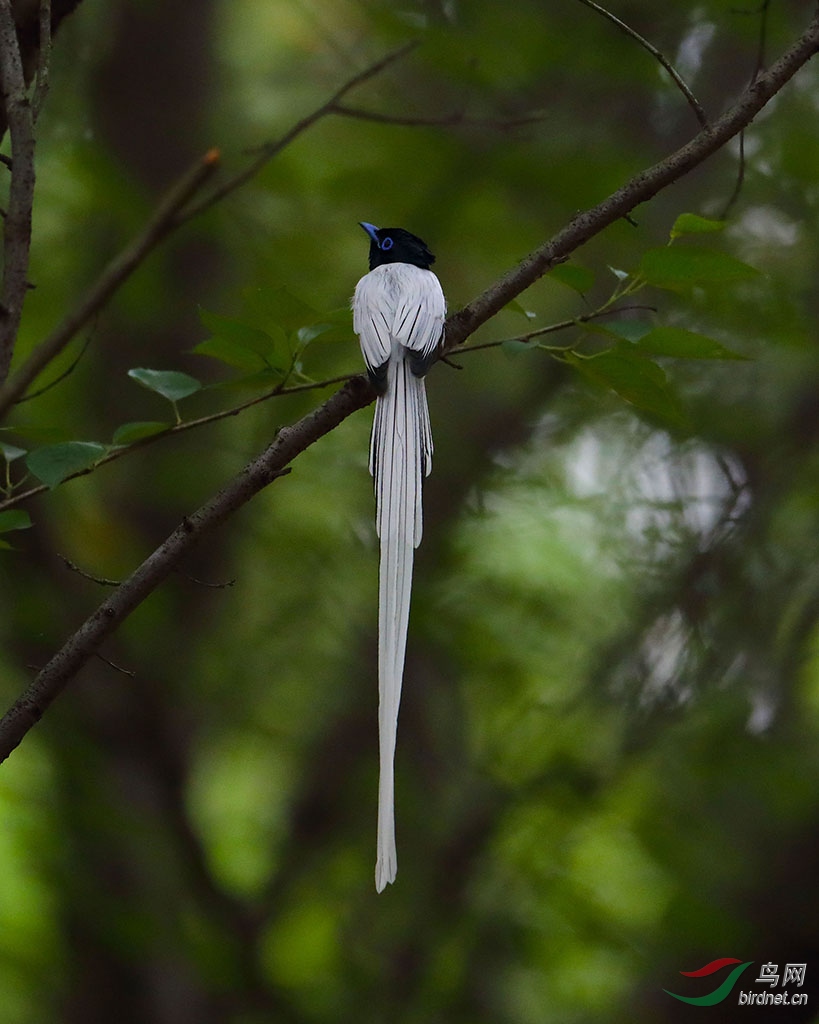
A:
[(99, 580), (177, 428), (117, 668), (690, 98), (17, 223), (642, 187), (85, 642), (758, 66), (117, 271), (176, 209), (266, 152), (561, 325), (764, 10), (441, 121), (207, 584), (43, 60), (61, 376), (739, 181)]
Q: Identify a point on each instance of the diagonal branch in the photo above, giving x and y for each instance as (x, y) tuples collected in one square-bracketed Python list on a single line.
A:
[(118, 270), (117, 452), (639, 189), (271, 149), (357, 393), (690, 98), (175, 209), (272, 463)]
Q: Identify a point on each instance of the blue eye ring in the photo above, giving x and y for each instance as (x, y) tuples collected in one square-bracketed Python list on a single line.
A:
[(386, 244)]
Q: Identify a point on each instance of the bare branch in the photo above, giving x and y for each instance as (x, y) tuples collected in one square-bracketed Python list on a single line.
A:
[(72, 366), (208, 585), (357, 393), (272, 463), (555, 328), (266, 152), (690, 98), (43, 59), (173, 211), (114, 454), (117, 271), (117, 668), (17, 222), (760, 62), (639, 189), (458, 117), (101, 581)]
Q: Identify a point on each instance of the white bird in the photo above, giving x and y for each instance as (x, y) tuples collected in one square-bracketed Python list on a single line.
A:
[(398, 315)]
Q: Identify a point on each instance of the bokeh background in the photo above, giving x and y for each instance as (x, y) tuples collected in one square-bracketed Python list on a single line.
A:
[(607, 757)]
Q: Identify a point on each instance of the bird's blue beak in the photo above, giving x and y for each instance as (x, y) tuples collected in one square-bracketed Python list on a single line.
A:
[(371, 230)]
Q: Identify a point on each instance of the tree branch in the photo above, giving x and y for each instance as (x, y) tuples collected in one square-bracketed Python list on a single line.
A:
[(272, 463), (173, 211), (43, 59), (17, 223), (690, 98), (271, 149), (357, 393), (115, 453), (117, 271), (639, 189), (453, 120)]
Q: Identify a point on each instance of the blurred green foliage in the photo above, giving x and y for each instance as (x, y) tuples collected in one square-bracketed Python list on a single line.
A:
[(608, 746)]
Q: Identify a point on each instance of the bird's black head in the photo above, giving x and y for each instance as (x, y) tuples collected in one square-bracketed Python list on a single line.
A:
[(395, 245)]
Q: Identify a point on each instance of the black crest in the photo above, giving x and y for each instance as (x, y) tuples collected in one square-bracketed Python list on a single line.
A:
[(395, 245)]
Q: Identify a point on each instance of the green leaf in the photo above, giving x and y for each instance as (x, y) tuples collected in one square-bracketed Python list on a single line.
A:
[(579, 279), (229, 352), (56, 462), (242, 345), (628, 330), (10, 452), (45, 435), (277, 307), (681, 266), (694, 224), (515, 306), (128, 433), (240, 334), (262, 380), (14, 519), (171, 384), (681, 344), (341, 316), (638, 380), (514, 347), (305, 335), (251, 338)]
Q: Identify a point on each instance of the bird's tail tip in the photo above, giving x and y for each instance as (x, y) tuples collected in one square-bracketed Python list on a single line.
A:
[(386, 869)]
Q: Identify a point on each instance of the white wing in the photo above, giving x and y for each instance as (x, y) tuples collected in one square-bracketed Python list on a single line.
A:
[(420, 311), (372, 318), (397, 304)]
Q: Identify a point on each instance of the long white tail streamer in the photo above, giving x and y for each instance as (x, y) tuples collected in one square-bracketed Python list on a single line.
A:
[(400, 456), (398, 313)]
